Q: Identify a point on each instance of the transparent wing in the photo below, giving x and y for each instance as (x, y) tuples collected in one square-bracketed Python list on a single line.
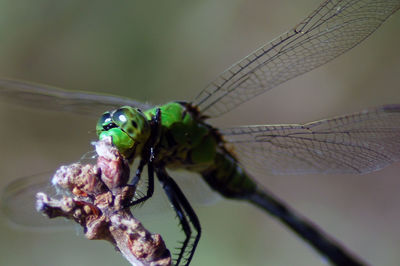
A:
[(357, 143), (18, 203), (54, 99), (332, 29)]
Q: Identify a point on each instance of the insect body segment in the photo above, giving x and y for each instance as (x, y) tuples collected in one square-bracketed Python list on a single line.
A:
[(185, 140), (227, 177)]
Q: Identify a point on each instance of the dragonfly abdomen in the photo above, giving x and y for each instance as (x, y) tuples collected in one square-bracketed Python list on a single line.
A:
[(227, 177)]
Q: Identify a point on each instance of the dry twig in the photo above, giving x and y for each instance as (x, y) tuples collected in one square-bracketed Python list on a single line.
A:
[(95, 196)]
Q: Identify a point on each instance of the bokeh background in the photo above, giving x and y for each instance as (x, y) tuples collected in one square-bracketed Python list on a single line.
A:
[(158, 51)]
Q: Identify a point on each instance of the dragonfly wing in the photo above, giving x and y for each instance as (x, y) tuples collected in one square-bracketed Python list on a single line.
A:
[(55, 99), (357, 143), (332, 29), (18, 203)]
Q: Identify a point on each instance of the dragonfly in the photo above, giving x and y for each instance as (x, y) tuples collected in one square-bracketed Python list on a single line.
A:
[(177, 135)]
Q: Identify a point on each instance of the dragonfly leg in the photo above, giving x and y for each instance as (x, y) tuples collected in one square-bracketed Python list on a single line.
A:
[(148, 157), (150, 186), (138, 174), (184, 211)]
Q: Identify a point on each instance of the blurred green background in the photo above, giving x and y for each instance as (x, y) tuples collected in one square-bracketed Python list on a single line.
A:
[(158, 51)]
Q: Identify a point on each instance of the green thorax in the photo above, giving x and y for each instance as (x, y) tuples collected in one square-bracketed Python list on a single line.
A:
[(185, 140)]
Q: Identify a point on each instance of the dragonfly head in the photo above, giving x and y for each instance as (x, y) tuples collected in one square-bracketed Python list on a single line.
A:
[(128, 128)]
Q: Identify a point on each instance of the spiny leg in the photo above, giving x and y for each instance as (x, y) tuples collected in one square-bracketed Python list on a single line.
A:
[(183, 210), (148, 157), (184, 225), (138, 173), (150, 186)]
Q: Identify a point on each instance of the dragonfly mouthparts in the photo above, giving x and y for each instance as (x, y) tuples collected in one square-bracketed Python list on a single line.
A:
[(109, 126)]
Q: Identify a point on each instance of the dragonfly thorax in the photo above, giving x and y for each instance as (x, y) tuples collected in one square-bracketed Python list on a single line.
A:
[(128, 127)]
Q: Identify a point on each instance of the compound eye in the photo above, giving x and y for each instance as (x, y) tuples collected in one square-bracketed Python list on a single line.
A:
[(104, 119), (120, 117), (103, 122)]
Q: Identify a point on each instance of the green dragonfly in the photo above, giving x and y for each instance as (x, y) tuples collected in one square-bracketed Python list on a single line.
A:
[(177, 136)]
